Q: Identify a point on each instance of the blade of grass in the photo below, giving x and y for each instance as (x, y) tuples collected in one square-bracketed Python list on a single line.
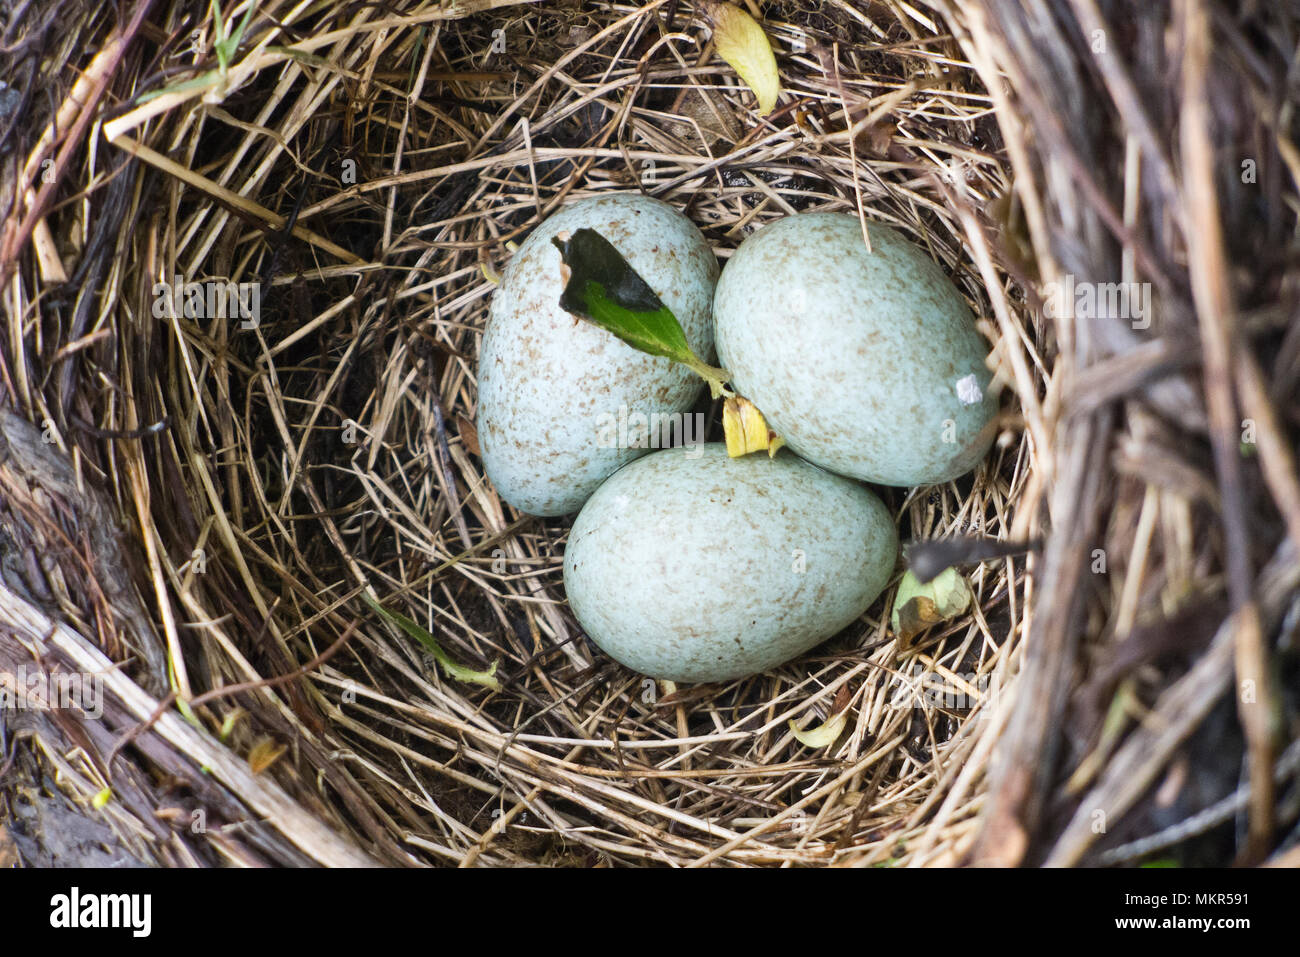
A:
[(453, 670)]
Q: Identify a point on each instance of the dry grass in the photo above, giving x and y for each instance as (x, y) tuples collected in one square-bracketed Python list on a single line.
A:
[(372, 178)]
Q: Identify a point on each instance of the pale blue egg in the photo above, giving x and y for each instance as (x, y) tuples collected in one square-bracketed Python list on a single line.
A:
[(691, 566), (562, 402), (866, 363)]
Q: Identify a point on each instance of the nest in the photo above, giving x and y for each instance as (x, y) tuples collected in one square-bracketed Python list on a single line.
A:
[(194, 502)]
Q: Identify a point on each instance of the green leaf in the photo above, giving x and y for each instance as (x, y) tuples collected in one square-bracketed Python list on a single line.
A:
[(453, 670), (218, 21), (226, 44), (603, 288), (201, 82), (238, 36), (919, 605)]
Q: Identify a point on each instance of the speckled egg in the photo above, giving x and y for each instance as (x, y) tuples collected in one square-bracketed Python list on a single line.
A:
[(867, 363), (692, 566), (563, 403)]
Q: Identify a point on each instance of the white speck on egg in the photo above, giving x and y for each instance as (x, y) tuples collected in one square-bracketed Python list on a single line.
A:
[(968, 390)]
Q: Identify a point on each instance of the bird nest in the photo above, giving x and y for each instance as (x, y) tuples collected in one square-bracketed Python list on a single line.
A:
[(247, 259)]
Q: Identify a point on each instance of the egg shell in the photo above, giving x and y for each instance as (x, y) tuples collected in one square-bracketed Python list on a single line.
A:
[(866, 363), (557, 394), (691, 566)]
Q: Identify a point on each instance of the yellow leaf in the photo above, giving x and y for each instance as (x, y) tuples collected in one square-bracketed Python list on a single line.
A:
[(746, 430), (264, 754), (743, 426), (823, 735), (743, 44)]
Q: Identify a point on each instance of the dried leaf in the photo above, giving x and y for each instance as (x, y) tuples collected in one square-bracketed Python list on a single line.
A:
[(743, 44), (264, 754), (746, 430), (877, 138), (468, 435)]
